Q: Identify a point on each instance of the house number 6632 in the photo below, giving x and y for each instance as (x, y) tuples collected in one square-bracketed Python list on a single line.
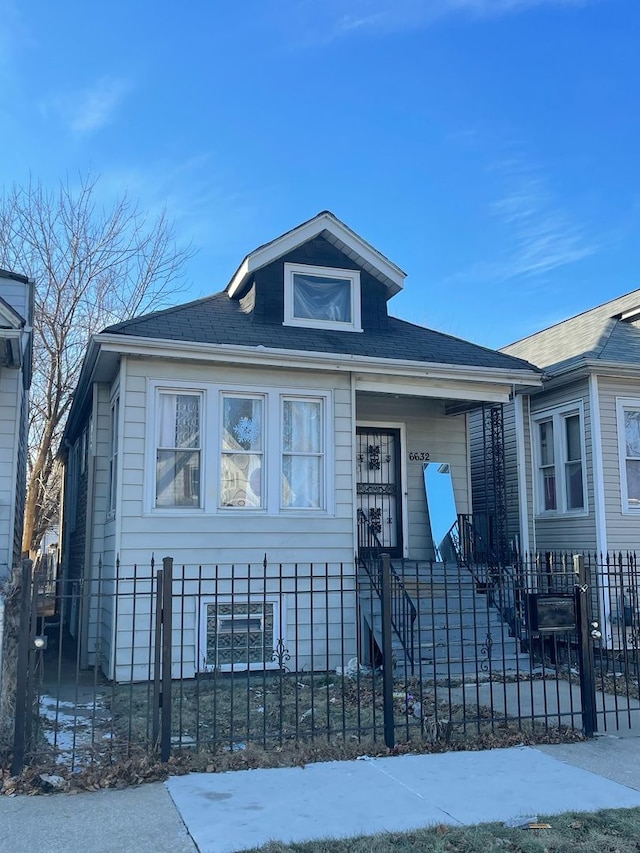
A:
[(419, 456)]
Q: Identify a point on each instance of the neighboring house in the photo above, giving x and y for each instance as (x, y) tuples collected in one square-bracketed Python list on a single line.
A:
[(572, 447), (16, 319), (289, 415)]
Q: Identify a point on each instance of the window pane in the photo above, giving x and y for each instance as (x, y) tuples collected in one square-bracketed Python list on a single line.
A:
[(549, 486), (575, 492), (177, 478), (242, 424), (302, 426), (632, 432), (179, 420), (546, 443), (239, 634), (301, 481), (574, 445), (319, 298), (633, 482), (241, 479)]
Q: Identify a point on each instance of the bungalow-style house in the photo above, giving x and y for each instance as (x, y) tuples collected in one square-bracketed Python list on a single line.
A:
[(572, 448), (289, 414)]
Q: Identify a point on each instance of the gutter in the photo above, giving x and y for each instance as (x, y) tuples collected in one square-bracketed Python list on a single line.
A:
[(262, 355)]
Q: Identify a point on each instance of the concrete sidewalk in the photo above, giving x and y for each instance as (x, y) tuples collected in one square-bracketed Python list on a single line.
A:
[(225, 812)]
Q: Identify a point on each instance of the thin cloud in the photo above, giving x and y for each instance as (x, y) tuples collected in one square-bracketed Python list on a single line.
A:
[(89, 110), (387, 16)]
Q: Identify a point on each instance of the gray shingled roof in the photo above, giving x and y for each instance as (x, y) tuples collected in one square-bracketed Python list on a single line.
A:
[(221, 320), (594, 334)]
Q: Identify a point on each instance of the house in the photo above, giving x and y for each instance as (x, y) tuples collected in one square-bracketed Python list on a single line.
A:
[(572, 446), (16, 319), (289, 414)]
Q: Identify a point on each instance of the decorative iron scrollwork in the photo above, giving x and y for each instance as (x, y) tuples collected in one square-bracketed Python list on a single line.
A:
[(373, 454), (375, 519), (280, 655), (376, 488), (485, 652)]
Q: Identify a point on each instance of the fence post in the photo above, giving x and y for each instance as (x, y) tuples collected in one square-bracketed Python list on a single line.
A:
[(585, 649), (22, 708), (167, 644), (387, 654), (157, 657)]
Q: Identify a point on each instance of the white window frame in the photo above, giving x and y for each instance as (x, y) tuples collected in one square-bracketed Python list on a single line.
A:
[(558, 416), (623, 404), (211, 442), (290, 270), (305, 398), (185, 390), (279, 625), (246, 395)]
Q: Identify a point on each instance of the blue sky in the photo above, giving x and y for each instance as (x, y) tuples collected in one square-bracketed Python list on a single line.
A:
[(488, 147)]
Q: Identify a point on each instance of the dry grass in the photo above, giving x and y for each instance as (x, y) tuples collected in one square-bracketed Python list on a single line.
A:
[(610, 831)]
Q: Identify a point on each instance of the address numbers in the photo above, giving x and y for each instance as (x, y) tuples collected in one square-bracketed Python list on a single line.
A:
[(419, 456)]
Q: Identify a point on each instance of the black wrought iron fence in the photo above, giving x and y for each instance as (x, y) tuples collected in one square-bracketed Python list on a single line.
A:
[(215, 659)]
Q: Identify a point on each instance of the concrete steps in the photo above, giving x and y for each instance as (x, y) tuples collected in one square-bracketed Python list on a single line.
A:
[(458, 630)]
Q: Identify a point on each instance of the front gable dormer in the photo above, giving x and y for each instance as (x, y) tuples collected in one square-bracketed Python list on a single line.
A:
[(320, 275)]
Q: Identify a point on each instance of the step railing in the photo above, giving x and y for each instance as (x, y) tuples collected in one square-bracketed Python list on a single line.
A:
[(388, 585)]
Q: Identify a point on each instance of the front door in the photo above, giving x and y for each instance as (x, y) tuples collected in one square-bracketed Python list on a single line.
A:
[(379, 490)]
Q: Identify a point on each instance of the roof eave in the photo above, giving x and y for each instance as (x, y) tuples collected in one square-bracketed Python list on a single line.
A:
[(371, 260)]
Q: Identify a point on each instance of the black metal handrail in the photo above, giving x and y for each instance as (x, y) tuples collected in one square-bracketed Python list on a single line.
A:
[(403, 612)]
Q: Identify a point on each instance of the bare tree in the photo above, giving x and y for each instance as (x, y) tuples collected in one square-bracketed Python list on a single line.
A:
[(92, 266)]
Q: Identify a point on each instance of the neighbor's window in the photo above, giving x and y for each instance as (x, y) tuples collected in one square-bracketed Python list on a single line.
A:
[(322, 297), (303, 463), (560, 460), (242, 469), (178, 449), (629, 433), (239, 634)]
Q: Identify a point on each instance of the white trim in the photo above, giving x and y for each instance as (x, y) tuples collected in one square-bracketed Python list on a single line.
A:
[(279, 629), (599, 505), (404, 487), (352, 276), (370, 259), (453, 390), (326, 443), (558, 414), (267, 356), (623, 403), (521, 464)]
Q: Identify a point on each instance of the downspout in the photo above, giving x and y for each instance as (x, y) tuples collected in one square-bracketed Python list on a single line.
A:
[(87, 573), (521, 460), (599, 507)]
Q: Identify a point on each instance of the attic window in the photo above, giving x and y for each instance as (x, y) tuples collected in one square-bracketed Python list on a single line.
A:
[(322, 297)]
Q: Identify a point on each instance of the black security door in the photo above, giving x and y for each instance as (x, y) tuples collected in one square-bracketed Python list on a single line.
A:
[(379, 491)]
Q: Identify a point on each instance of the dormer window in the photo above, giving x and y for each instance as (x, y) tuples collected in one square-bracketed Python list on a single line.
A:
[(322, 297)]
